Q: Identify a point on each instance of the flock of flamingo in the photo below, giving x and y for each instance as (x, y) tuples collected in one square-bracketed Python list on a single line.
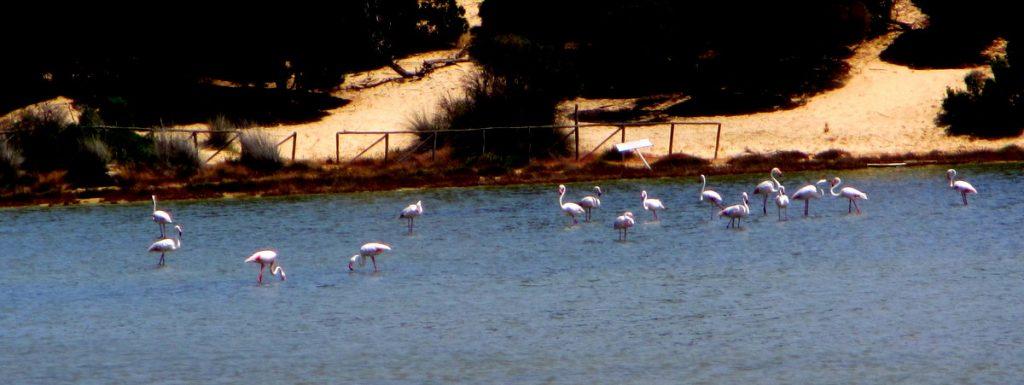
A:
[(584, 207)]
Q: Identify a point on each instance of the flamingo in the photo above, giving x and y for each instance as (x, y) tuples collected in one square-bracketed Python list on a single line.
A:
[(768, 187), (782, 201), (411, 212), (591, 202), (570, 209), (623, 223), (808, 192), (162, 218), (264, 258), (371, 250), (711, 196), (652, 204), (166, 245), (960, 186), (849, 193), (736, 213)]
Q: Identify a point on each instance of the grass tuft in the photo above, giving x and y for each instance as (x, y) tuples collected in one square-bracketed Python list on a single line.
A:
[(259, 151)]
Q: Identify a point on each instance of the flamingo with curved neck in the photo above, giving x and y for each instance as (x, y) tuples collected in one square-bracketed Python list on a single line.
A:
[(267, 258), (736, 213), (570, 209), (651, 204), (162, 218), (768, 187), (782, 202), (411, 212), (371, 250), (623, 223), (166, 245), (712, 197), (591, 202), (808, 192), (960, 186), (849, 193)]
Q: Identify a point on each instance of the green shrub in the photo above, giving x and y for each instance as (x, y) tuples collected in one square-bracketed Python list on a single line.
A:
[(989, 107), (177, 153), (259, 151)]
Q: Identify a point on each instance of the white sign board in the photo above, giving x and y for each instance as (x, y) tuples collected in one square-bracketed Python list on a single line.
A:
[(636, 144), (635, 147)]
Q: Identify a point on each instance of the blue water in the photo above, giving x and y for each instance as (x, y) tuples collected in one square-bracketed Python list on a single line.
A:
[(494, 287)]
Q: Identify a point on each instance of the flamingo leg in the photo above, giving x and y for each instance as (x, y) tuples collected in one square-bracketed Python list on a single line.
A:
[(656, 214), (161, 263), (259, 279), (849, 207), (374, 259), (807, 204), (764, 204), (856, 206), (964, 196)]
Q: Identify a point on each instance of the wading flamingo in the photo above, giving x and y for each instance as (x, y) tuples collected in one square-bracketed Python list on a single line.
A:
[(623, 223), (782, 202), (166, 245), (849, 193), (768, 187), (267, 258), (652, 204), (162, 218), (371, 250), (710, 196), (736, 213), (411, 212), (591, 202), (570, 209), (808, 192), (960, 186)]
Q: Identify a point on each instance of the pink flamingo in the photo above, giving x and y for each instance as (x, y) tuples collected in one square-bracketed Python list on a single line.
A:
[(849, 193), (371, 250), (623, 223), (768, 187), (960, 186), (266, 258)]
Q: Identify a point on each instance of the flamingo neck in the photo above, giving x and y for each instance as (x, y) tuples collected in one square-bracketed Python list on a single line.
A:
[(154, 203), (703, 184), (560, 196), (834, 187), (279, 271), (776, 181)]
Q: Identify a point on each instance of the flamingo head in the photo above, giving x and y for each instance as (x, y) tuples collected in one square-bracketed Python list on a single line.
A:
[(178, 227), (950, 174), (776, 171), (420, 205), (356, 259), (280, 271), (746, 198), (598, 190), (561, 189), (627, 214), (702, 178), (782, 190), (643, 194), (835, 181), (821, 181)]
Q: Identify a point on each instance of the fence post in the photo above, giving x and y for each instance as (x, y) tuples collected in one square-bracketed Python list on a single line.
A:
[(671, 137), (576, 129), (195, 140), (483, 134), (337, 147), (529, 143), (623, 129), (718, 138), (387, 138), (295, 140), (433, 152)]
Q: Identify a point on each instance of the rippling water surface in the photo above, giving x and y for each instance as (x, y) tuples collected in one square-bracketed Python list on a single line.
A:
[(493, 287)]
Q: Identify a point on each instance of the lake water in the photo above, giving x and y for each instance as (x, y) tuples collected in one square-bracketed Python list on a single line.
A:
[(494, 287)]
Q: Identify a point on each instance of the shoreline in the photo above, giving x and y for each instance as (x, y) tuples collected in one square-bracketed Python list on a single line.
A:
[(228, 181)]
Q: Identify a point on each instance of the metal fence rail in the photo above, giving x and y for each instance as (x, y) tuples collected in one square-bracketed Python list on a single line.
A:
[(620, 128)]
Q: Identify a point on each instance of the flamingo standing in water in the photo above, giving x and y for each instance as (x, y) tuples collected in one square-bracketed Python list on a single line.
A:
[(960, 186), (710, 196), (166, 245), (736, 213), (651, 204), (623, 223), (371, 250), (782, 202), (411, 212), (849, 193), (808, 192), (591, 202), (162, 218), (768, 187), (570, 209), (267, 258)]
